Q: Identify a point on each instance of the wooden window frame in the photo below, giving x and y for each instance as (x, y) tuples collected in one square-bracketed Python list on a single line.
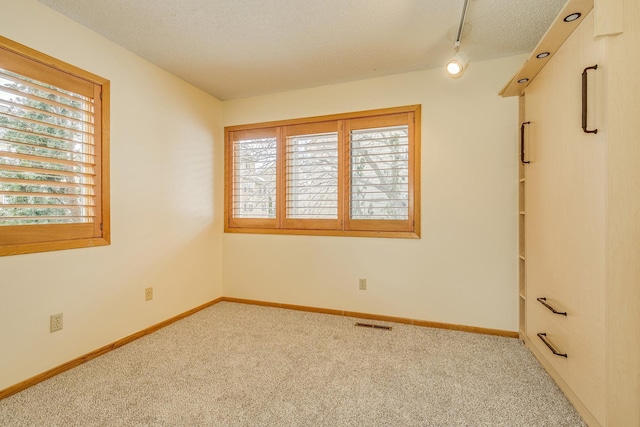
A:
[(24, 239), (343, 225)]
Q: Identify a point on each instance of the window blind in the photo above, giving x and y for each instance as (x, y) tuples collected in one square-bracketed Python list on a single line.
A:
[(47, 153), (254, 177), (312, 176), (351, 174), (379, 173)]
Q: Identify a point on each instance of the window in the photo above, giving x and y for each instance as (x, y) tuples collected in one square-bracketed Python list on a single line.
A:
[(353, 174), (54, 191)]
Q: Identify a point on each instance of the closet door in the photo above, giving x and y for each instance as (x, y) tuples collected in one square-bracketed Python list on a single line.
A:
[(565, 221)]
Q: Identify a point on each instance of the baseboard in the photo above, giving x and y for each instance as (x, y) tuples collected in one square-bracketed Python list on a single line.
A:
[(126, 340), (99, 352), (369, 316)]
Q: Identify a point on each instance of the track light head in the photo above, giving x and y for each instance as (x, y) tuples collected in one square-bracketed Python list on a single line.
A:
[(457, 65)]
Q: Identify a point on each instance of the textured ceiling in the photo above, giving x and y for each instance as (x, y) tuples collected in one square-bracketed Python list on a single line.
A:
[(239, 48)]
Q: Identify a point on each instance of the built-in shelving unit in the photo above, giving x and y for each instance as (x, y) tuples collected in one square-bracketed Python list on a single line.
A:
[(522, 272)]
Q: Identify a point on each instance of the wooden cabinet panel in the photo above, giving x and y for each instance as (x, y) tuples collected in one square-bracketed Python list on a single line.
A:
[(582, 228), (623, 218), (565, 217)]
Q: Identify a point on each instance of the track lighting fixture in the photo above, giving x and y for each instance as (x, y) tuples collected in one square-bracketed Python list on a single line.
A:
[(458, 64)]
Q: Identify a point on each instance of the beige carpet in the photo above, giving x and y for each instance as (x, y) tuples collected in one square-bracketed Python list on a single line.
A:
[(241, 365)]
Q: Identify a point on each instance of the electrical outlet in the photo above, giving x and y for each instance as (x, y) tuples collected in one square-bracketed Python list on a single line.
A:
[(148, 294), (55, 322), (363, 284)]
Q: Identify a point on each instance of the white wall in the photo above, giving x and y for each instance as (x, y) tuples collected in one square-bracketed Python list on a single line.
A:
[(165, 210), (166, 182), (464, 268)]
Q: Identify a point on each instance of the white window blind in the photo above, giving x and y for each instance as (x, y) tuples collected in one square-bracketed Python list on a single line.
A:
[(254, 177), (350, 174), (47, 153), (379, 173), (312, 176)]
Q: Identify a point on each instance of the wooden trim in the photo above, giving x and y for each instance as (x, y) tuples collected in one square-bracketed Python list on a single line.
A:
[(29, 248), (375, 224), (344, 175), (99, 352), (50, 61), (22, 235), (310, 129), (228, 178), (336, 233), (414, 167), (105, 162), (341, 116), (29, 66), (23, 385), (384, 318), (281, 177), (261, 223), (304, 224)]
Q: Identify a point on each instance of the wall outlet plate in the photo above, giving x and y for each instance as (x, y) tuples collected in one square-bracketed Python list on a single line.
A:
[(148, 294), (55, 322), (362, 283)]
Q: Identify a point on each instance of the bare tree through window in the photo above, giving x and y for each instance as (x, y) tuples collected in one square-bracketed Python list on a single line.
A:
[(255, 178), (312, 176), (380, 173)]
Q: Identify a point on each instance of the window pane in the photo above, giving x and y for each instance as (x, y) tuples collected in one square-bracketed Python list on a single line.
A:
[(312, 176), (254, 182), (47, 161), (380, 173)]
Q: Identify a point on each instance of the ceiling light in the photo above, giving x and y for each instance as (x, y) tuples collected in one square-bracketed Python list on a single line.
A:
[(523, 80), (572, 17), (543, 55), (457, 65)]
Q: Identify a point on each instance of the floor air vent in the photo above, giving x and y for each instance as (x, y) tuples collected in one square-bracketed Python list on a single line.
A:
[(371, 325)]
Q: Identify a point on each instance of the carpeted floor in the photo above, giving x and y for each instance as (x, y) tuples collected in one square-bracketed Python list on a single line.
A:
[(241, 365)]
